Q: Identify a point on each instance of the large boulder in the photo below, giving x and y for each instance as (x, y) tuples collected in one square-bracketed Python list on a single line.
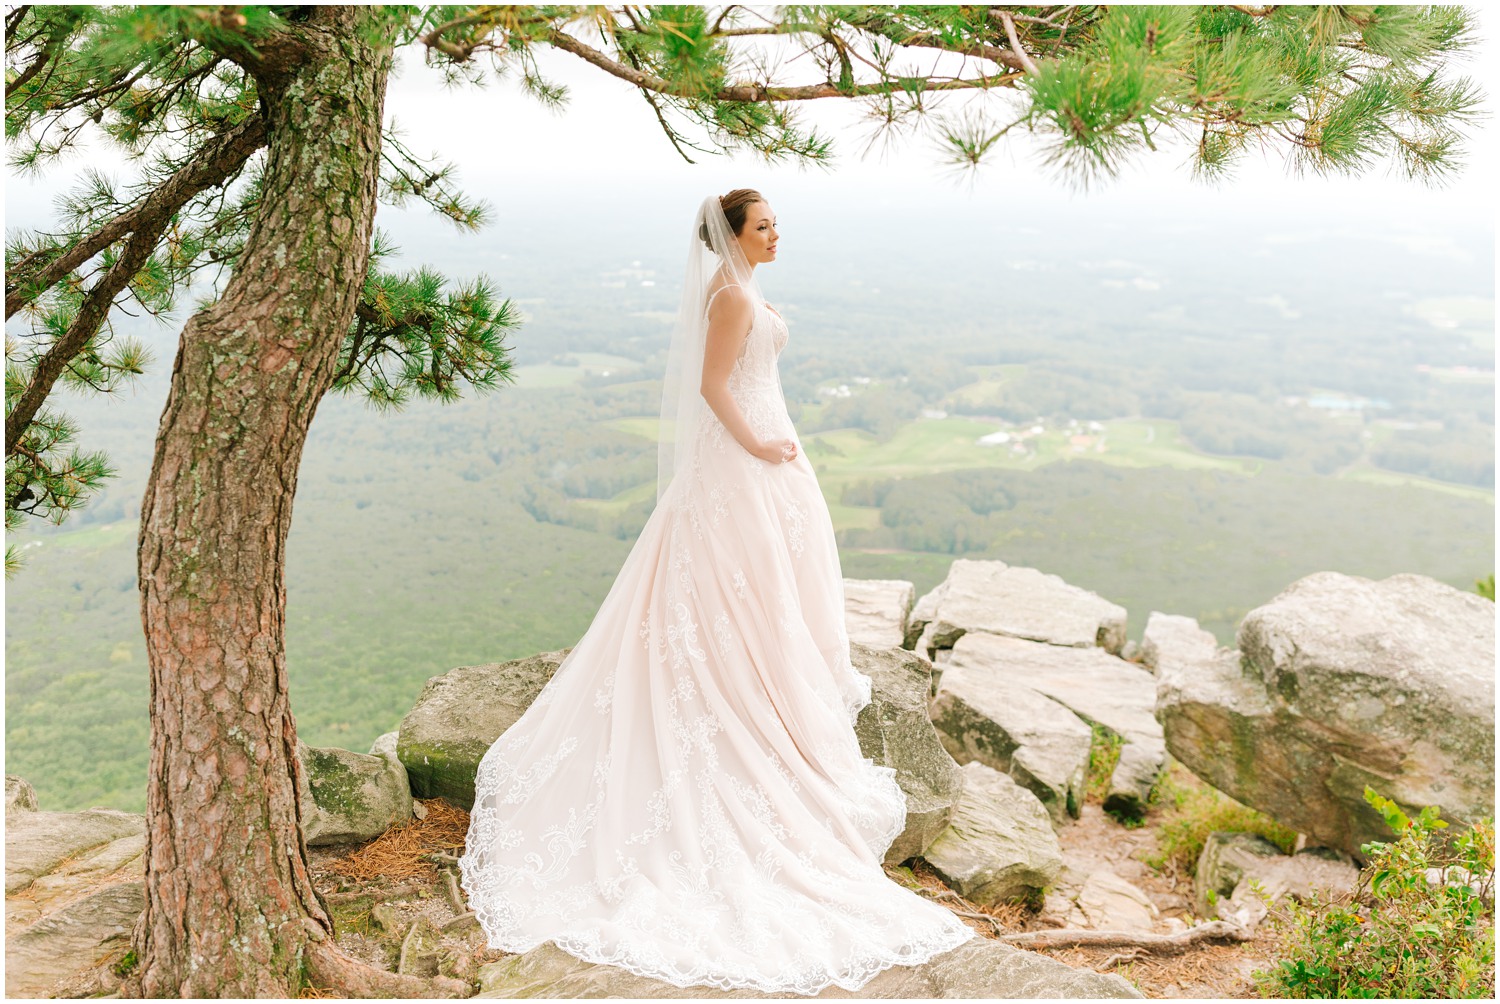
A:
[(1098, 687), (457, 718), (20, 796), (990, 718), (1176, 639), (894, 731), (979, 968), (1000, 846), (875, 610), (1232, 866), (350, 797), (1343, 682), (993, 597)]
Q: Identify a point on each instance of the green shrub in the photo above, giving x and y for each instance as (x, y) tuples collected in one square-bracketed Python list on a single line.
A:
[(1398, 934), (1104, 756), (1486, 587), (1190, 810)]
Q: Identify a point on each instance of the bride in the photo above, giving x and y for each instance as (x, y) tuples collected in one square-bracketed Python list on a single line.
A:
[(686, 797)]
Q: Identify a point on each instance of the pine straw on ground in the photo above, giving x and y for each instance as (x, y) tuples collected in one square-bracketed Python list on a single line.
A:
[(397, 853), (1206, 970)]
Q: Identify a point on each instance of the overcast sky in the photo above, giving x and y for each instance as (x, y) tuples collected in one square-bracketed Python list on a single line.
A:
[(604, 159), (608, 139)]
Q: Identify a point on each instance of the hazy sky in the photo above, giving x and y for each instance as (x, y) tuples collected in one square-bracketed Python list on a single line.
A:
[(608, 139), (604, 160)]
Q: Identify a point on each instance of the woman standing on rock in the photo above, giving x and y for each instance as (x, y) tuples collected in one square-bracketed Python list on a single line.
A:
[(686, 797)]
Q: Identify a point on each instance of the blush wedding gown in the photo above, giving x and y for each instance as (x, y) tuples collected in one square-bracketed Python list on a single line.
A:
[(686, 797)]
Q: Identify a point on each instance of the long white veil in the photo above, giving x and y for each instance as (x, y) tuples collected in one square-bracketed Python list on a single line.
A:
[(714, 258)]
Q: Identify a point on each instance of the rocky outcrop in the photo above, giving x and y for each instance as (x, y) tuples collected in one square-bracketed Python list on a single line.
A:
[(457, 718), (876, 610), (1342, 682), (1232, 865), (1098, 687), (1000, 599), (1000, 846), (350, 797), (19, 795), (36, 843), (894, 731), (73, 886), (979, 968), (1175, 639), (990, 718)]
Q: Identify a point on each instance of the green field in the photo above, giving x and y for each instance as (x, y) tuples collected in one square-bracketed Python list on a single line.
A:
[(544, 375), (928, 446), (1376, 476)]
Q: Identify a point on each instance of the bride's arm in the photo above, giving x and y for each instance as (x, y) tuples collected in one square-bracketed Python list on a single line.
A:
[(728, 325)]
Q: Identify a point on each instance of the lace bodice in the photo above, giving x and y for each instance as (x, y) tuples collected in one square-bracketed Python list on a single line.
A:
[(755, 381)]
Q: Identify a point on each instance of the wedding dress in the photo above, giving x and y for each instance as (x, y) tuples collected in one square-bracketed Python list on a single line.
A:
[(686, 797)]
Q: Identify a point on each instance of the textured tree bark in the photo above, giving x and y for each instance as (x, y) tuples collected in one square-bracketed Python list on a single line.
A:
[(230, 908)]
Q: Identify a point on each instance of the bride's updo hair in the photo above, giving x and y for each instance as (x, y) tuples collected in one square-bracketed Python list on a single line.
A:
[(735, 204)]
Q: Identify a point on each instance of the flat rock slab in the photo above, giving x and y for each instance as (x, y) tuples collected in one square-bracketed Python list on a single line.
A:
[(37, 842), (1109, 903), (875, 610), (1001, 599), (1342, 682), (61, 945), (978, 968), (1000, 846), (990, 718), (1091, 683)]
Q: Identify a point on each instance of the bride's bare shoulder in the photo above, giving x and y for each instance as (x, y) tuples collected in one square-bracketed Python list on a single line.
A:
[(734, 296)]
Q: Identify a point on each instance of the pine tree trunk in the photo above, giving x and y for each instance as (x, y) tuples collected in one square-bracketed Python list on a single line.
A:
[(230, 906)]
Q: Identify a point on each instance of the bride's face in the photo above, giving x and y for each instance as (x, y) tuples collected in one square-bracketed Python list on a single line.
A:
[(758, 237)]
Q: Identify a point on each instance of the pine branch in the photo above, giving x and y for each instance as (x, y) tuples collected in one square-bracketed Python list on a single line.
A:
[(219, 159), (1015, 43), (761, 92), (91, 314)]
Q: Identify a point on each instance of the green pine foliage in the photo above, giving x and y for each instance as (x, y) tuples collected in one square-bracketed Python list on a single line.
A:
[(155, 83), (1421, 922), (429, 335)]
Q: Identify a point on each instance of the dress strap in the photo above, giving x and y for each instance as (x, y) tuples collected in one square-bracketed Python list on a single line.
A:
[(718, 291)]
